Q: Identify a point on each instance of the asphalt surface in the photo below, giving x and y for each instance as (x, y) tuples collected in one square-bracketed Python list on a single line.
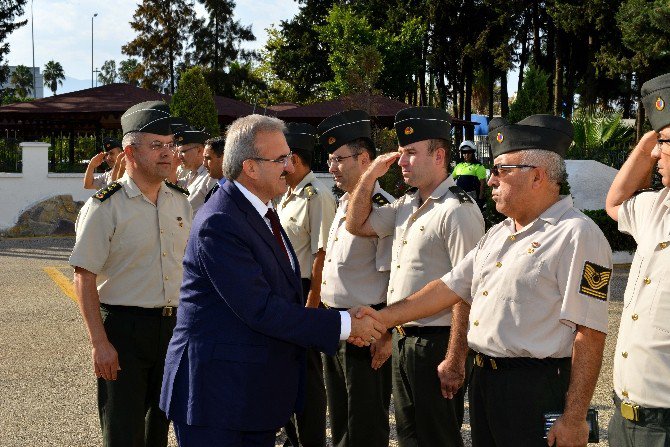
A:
[(47, 387)]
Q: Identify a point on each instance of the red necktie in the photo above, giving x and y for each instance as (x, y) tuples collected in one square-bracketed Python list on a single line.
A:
[(276, 229)]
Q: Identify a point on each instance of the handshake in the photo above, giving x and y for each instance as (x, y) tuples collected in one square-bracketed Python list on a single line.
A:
[(367, 325)]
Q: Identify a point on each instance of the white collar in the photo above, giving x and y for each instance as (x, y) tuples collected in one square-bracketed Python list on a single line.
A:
[(257, 203)]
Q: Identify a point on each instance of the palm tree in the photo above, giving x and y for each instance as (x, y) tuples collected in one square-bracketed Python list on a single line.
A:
[(22, 78), (53, 75)]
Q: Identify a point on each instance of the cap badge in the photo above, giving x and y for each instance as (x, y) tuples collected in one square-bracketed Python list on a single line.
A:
[(409, 130), (660, 104), (180, 138), (500, 137), (331, 140)]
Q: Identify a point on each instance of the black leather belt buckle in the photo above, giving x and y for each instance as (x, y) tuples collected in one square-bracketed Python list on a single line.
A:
[(591, 419)]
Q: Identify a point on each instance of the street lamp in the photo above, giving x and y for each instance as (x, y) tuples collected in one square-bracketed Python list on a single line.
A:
[(92, 72), (32, 33)]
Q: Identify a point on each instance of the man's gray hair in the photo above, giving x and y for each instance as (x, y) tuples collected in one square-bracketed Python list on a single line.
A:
[(241, 141), (132, 139), (550, 161)]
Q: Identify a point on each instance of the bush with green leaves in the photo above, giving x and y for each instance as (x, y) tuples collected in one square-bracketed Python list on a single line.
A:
[(618, 240), (600, 135), (194, 102)]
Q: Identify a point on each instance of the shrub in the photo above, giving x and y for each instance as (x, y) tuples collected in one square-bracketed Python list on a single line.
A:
[(193, 101), (618, 240)]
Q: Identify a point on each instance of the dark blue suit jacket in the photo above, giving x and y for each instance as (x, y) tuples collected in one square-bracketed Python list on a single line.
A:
[(237, 355)]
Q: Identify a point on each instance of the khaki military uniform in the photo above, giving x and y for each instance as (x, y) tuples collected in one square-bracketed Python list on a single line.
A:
[(529, 289), (356, 273), (198, 183), (642, 356), (306, 213), (429, 239), (135, 248), (102, 179)]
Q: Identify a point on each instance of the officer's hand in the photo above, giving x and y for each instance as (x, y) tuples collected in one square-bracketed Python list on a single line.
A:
[(97, 160), (381, 164), (450, 380), (365, 329), (105, 361), (648, 142), (568, 432), (119, 166), (381, 351)]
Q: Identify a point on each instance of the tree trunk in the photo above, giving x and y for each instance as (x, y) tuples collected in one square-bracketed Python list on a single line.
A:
[(469, 130), (628, 99), (523, 57), (549, 65), (570, 85), (640, 121), (504, 97), (217, 88), (491, 87), (422, 71), (537, 48), (558, 75)]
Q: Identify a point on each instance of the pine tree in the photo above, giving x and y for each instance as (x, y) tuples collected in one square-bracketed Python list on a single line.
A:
[(533, 97), (194, 101), (9, 10), (53, 75), (163, 29)]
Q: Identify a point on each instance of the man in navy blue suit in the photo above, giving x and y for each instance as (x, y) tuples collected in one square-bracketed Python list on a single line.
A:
[(236, 363)]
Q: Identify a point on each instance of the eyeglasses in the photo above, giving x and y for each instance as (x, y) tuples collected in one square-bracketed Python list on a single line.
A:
[(158, 145), (660, 142), (496, 169), (282, 159), (338, 159)]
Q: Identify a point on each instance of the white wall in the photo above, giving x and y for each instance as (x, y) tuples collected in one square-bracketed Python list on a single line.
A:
[(20, 191), (589, 182)]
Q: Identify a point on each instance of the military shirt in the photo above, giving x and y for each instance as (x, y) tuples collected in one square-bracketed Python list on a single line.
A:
[(198, 184), (306, 213), (530, 288), (102, 179), (356, 269), (642, 357), (133, 246), (429, 239)]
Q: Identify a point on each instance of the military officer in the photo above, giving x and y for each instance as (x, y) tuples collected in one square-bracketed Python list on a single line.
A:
[(306, 212), (127, 257), (193, 176), (433, 228), (538, 283), (355, 272), (642, 357), (109, 154)]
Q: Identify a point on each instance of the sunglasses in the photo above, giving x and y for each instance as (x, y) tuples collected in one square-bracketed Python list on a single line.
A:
[(497, 169)]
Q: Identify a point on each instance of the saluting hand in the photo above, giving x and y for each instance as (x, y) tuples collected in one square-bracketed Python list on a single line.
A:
[(381, 164), (97, 160)]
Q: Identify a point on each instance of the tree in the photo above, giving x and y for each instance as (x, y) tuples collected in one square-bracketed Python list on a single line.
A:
[(53, 75), (161, 43), (108, 73), (9, 10), (130, 71), (22, 78), (217, 39), (533, 97), (194, 101)]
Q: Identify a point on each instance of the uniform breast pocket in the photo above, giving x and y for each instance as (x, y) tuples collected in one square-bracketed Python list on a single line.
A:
[(660, 308), (523, 273), (422, 248)]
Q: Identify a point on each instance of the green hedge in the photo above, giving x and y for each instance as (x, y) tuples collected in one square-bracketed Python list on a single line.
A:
[(618, 240)]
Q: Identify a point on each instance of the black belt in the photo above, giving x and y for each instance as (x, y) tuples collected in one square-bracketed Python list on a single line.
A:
[(418, 331), (487, 362), (636, 413), (167, 311), (379, 306)]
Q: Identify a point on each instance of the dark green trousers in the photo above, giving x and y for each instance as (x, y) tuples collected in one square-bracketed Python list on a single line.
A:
[(423, 417), (507, 404), (128, 406), (652, 431), (358, 398)]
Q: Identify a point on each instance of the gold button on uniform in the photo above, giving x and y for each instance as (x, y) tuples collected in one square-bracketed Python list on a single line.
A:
[(162, 231), (634, 317), (624, 393), (323, 282), (166, 277), (335, 237), (647, 280), (531, 250), (329, 260), (476, 323), (422, 228), (404, 242), (485, 293), (624, 354), (164, 254), (662, 245), (512, 237), (391, 290), (397, 266), (498, 264)]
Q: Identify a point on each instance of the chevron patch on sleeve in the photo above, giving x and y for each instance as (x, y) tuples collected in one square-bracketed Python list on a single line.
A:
[(595, 281)]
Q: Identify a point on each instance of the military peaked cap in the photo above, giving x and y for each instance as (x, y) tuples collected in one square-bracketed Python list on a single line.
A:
[(422, 123), (150, 117), (187, 135), (655, 97), (300, 136), (343, 128), (546, 132), (110, 143)]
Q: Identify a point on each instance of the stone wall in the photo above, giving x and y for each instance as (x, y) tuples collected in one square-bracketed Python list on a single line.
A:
[(51, 217)]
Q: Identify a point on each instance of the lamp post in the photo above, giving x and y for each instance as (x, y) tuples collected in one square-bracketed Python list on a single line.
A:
[(32, 33), (92, 73)]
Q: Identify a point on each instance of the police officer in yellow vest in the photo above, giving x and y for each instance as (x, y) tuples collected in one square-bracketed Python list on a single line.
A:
[(469, 174), (642, 357), (306, 212)]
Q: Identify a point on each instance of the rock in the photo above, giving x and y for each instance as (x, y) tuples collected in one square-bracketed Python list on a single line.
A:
[(64, 228), (53, 216)]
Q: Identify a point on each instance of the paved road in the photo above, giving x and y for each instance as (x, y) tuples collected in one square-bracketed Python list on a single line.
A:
[(47, 388)]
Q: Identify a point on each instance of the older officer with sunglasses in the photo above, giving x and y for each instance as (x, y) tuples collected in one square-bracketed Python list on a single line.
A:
[(538, 285), (642, 357)]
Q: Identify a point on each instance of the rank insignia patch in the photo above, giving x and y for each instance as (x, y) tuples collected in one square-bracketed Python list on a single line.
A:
[(595, 281), (660, 104), (379, 199)]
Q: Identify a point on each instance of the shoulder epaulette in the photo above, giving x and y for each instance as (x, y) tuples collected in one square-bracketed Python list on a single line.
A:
[(462, 196), (177, 187), (379, 199), (640, 191), (106, 192), (310, 190)]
